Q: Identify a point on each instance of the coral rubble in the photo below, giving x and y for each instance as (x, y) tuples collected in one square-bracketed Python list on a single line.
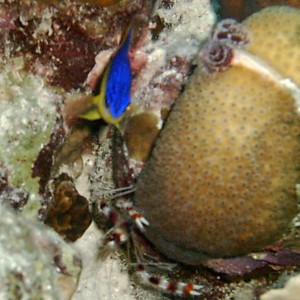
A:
[(35, 262), (290, 291)]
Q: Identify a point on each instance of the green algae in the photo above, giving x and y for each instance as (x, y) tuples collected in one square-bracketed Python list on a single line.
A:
[(27, 119)]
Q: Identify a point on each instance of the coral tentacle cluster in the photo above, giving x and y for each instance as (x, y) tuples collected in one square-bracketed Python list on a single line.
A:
[(221, 178)]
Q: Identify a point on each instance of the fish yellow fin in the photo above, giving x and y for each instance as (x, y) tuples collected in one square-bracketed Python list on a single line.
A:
[(91, 115), (97, 101)]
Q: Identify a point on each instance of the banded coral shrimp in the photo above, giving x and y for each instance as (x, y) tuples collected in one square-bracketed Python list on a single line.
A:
[(123, 226)]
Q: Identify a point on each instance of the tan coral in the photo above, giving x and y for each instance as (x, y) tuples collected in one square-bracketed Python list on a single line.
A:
[(140, 131), (221, 179), (275, 37)]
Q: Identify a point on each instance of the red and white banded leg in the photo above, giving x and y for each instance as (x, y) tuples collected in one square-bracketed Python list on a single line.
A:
[(171, 287), (120, 225), (117, 236), (111, 214), (138, 219)]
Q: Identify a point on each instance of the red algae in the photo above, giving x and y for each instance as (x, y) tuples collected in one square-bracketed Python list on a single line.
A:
[(60, 40)]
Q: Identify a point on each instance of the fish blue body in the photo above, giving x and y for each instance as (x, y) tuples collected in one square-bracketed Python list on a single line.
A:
[(114, 96), (119, 81)]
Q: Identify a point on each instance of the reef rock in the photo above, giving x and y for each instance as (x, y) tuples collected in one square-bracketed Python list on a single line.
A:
[(35, 262)]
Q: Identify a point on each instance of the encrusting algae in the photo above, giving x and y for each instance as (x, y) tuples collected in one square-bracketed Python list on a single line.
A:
[(220, 181)]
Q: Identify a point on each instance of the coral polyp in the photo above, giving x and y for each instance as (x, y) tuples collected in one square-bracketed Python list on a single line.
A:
[(221, 178)]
